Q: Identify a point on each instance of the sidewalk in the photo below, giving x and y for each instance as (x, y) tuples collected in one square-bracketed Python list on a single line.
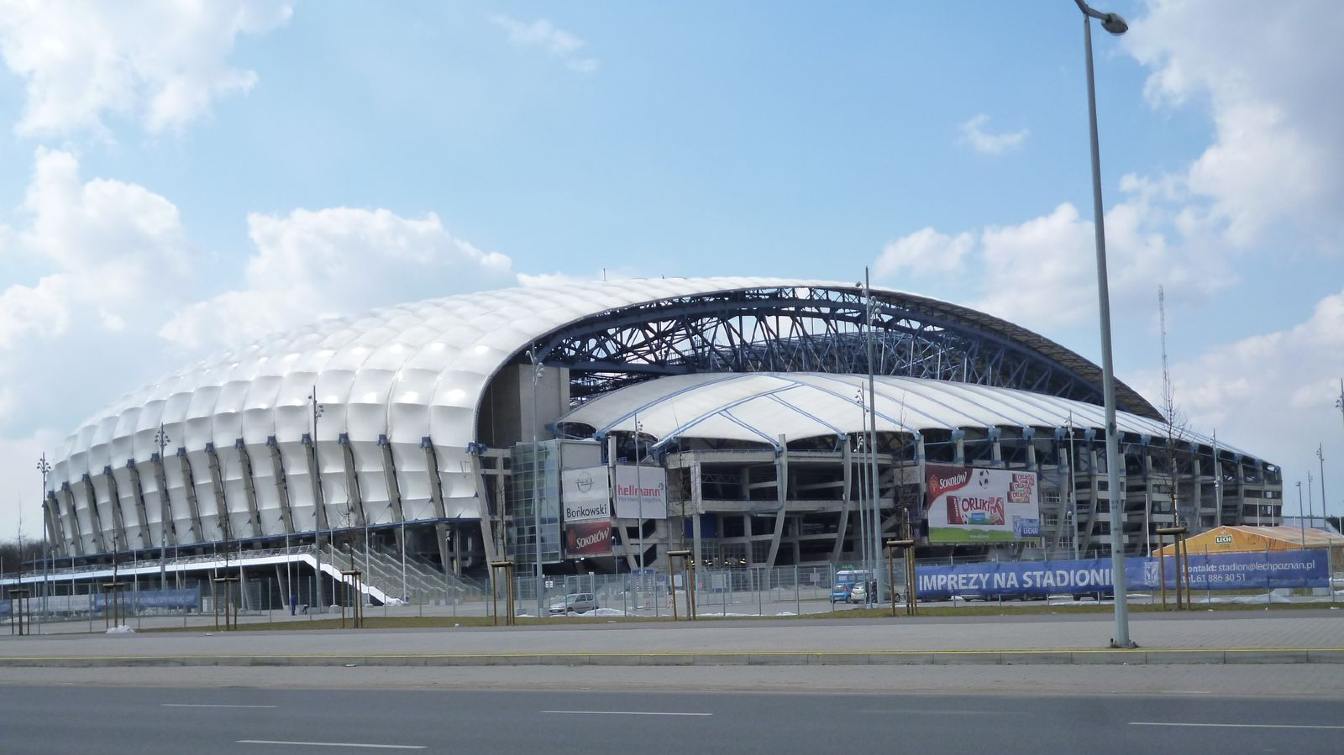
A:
[(1303, 637)]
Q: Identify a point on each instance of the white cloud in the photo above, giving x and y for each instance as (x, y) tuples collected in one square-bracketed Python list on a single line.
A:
[(105, 258), (162, 63), (310, 264), (1272, 394), (987, 143), (102, 241), (545, 36), (924, 251), (1264, 70)]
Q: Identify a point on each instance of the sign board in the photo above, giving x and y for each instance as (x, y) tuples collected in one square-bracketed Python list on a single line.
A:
[(641, 492), (973, 505), (588, 539), (585, 495), (1220, 571)]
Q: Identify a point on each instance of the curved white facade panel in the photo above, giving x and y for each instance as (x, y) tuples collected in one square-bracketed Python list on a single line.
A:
[(757, 407), (396, 375)]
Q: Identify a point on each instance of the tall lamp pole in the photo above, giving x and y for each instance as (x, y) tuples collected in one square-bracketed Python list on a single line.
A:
[(1115, 25), (321, 500), (161, 440), (1320, 455), (44, 467), (537, 488)]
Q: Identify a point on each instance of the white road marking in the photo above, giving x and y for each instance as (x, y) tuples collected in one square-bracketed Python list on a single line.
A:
[(1235, 726), (210, 705), (1186, 692), (623, 713), (329, 744)]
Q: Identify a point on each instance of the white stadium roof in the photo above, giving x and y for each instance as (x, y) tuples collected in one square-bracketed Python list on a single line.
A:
[(759, 406)]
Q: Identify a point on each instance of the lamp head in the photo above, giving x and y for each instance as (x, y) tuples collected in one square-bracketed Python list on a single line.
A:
[(1113, 23)]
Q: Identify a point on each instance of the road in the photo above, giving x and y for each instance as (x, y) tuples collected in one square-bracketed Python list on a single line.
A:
[(41, 718)]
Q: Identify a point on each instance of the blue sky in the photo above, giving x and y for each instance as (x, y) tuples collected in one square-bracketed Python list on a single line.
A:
[(944, 144)]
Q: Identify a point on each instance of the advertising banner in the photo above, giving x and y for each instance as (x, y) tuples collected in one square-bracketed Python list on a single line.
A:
[(1225, 571), (641, 488), (585, 495), (972, 505), (588, 539)]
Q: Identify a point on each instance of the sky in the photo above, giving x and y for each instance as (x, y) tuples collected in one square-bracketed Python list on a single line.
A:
[(180, 178)]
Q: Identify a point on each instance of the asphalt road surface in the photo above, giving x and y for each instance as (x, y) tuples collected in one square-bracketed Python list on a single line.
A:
[(251, 721)]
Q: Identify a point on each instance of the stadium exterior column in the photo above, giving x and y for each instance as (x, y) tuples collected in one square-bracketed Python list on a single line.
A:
[(119, 539), (249, 487), (355, 501), (995, 449), (165, 500), (750, 539), (58, 542), (95, 517), (76, 531), (781, 495), (138, 496), (847, 476), (482, 509), (281, 485), (393, 487), (221, 502), (697, 503), (435, 482), (320, 520), (193, 505)]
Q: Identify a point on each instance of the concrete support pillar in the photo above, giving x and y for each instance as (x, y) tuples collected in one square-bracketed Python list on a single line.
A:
[(59, 542), (193, 505), (165, 500), (76, 531), (782, 495), (435, 482), (390, 475), (750, 538), (49, 523), (95, 517), (320, 519), (698, 507), (483, 509), (959, 446), (138, 497), (841, 529), (449, 556), (995, 449), (352, 480), (118, 520), (249, 488), (217, 485), (281, 485)]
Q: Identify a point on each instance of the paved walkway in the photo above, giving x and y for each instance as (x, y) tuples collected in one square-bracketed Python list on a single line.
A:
[(1302, 636)]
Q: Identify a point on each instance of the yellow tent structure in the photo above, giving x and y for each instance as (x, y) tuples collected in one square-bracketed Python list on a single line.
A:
[(1249, 539)]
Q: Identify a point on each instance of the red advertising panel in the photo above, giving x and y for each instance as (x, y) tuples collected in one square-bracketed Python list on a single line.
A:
[(588, 539)]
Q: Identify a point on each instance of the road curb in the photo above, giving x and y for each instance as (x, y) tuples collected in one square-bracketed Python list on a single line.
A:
[(1073, 657)]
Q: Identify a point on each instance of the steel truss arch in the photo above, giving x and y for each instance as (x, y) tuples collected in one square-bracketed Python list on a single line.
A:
[(810, 328)]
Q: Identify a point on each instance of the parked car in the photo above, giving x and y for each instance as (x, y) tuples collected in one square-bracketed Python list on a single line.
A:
[(575, 602), (858, 593), (845, 580)]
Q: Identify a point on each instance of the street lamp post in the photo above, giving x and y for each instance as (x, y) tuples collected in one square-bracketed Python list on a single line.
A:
[(161, 440), (44, 467), (320, 503), (537, 369), (1115, 25), (875, 517), (1320, 454)]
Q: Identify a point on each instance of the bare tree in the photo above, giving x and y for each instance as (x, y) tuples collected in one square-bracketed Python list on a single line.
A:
[(1173, 419)]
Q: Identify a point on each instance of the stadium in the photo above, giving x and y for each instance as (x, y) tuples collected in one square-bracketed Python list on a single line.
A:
[(448, 432)]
